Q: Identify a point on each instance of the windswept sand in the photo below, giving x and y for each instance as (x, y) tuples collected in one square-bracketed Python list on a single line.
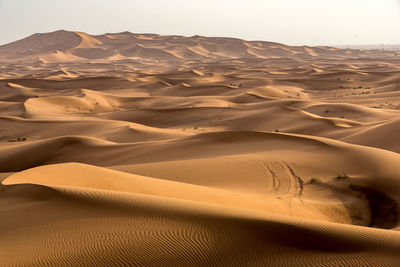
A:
[(150, 150)]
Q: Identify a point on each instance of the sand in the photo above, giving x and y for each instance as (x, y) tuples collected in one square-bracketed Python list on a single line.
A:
[(152, 150)]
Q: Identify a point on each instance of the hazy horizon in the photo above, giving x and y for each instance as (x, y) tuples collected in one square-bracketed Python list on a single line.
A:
[(313, 22)]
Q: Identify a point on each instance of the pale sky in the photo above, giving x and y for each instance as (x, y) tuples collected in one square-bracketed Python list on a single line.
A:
[(293, 22)]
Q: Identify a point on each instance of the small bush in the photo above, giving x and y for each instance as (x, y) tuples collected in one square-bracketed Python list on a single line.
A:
[(18, 139), (313, 180), (342, 176), (276, 130)]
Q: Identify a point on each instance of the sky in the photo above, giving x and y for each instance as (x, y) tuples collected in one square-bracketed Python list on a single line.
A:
[(292, 22)]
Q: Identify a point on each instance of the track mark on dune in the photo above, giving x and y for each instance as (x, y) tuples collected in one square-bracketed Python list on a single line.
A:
[(280, 178), (298, 181), (268, 175), (272, 183)]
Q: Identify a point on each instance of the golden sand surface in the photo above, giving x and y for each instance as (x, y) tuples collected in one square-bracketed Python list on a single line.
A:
[(151, 150)]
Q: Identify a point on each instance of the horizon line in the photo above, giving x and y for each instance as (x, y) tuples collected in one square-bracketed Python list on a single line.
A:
[(397, 45)]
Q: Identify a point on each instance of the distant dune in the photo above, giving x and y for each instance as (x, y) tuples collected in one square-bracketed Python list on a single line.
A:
[(373, 47), (131, 149), (64, 46)]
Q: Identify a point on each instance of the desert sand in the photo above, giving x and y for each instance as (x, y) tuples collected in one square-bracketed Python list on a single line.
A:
[(151, 150)]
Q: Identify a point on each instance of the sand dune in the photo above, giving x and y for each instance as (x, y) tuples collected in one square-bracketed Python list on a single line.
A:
[(130, 229), (155, 150)]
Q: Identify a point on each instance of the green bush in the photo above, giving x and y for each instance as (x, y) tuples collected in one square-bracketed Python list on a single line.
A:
[(342, 176)]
